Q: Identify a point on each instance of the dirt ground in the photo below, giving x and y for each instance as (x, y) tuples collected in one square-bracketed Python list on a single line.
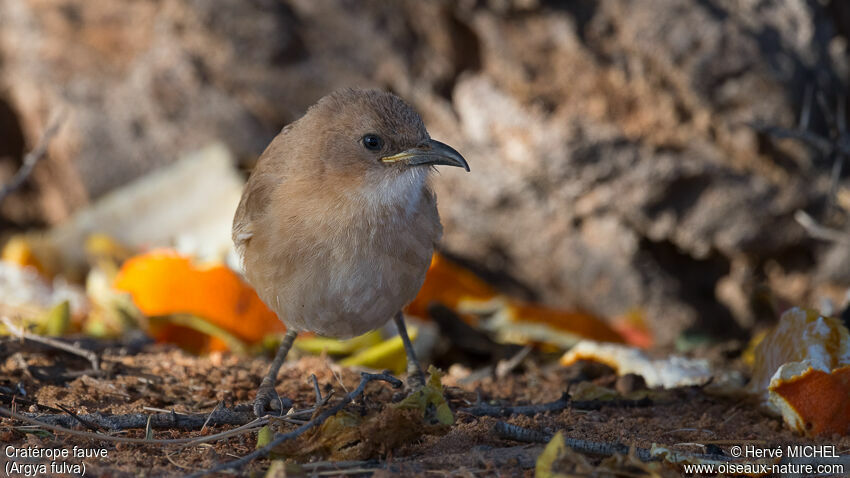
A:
[(148, 378)]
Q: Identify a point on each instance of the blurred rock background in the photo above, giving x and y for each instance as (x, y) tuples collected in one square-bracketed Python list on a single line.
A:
[(613, 164)]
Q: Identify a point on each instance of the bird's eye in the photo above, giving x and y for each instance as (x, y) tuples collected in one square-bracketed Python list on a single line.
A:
[(373, 142)]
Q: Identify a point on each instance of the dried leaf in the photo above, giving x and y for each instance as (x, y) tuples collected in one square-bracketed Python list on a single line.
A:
[(149, 429), (264, 436), (57, 320), (544, 468), (276, 470)]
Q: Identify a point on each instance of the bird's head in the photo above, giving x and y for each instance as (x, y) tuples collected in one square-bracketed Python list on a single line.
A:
[(375, 137)]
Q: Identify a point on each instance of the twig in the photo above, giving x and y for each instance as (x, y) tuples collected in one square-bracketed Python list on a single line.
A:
[(483, 410), (99, 436), (282, 437), (504, 367), (335, 374), (148, 429), (207, 421), (257, 423), (195, 421), (161, 410), (818, 231), (319, 400), (835, 146), (85, 423), (32, 158), (822, 145), (518, 433), (70, 348), (606, 449)]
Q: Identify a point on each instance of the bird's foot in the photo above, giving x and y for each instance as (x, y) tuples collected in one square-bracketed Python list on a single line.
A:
[(415, 380), (268, 400)]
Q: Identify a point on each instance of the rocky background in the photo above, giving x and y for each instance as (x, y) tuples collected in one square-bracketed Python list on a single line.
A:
[(615, 166)]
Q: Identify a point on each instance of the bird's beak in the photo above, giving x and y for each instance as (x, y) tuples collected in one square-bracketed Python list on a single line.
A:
[(431, 152)]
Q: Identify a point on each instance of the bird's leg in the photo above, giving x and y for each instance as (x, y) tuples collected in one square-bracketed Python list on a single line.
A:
[(416, 378), (267, 398)]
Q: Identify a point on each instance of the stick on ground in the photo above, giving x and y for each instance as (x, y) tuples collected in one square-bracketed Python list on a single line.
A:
[(70, 348), (282, 437)]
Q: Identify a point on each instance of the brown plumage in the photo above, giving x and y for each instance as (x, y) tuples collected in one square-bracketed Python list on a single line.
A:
[(337, 223)]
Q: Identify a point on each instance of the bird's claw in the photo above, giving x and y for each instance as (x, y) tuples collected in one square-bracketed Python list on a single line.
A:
[(268, 400)]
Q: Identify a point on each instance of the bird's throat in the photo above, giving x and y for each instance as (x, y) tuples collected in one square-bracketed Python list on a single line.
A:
[(399, 193)]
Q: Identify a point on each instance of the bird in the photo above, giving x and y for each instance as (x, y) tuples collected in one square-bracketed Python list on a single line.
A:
[(337, 223)]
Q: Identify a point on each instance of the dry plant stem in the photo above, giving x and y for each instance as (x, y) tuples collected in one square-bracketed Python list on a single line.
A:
[(84, 422), (836, 146), (818, 231), (319, 399), (18, 332), (482, 410), (518, 433), (282, 437), (32, 158), (221, 416), (207, 421), (504, 367), (141, 441)]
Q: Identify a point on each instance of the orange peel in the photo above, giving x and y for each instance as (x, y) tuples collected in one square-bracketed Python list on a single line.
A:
[(162, 283), (511, 320), (801, 369), (812, 402), (450, 285)]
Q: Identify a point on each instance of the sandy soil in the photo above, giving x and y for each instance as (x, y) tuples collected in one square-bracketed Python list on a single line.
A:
[(163, 377)]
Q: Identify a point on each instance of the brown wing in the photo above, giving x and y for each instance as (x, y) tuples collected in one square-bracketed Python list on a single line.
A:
[(267, 174)]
